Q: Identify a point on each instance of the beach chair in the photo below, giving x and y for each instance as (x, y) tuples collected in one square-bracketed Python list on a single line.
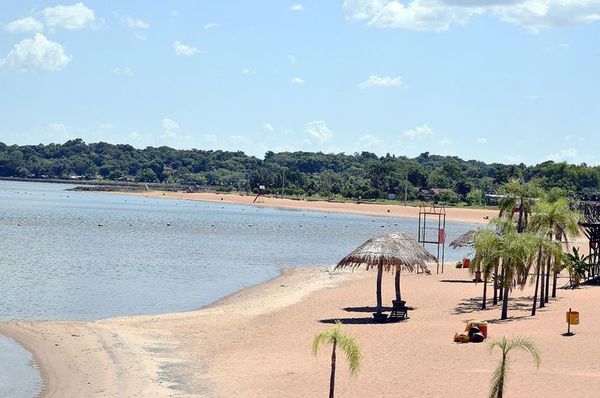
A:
[(399, 311)]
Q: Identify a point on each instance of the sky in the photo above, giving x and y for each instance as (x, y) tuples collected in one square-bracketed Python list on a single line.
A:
[(506, 81)]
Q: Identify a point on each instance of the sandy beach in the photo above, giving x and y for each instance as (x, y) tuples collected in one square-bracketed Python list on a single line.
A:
[(470, 215), (257, 343)]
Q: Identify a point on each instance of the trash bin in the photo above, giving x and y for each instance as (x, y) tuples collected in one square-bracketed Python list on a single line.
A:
[(573, 317), (466, 262)]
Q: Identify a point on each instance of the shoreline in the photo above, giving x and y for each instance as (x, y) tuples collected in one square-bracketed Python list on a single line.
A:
[(454, 214), (68, 373), (256, 342)]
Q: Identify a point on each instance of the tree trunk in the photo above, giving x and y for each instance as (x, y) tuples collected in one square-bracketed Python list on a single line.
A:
[(548, 270), (501, 382), (483, 303), (537, 281), (397, 283), (520, 222), (332, 378), (495, 300), (379, 276), (541, 272), (554, 280), (501, 295), (505, 296), (548, 267)]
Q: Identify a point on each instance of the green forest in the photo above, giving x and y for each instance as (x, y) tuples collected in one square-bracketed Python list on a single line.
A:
[(362, 175)]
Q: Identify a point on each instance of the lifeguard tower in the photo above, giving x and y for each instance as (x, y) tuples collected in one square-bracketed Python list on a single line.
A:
[(432, 230), (261, 194)]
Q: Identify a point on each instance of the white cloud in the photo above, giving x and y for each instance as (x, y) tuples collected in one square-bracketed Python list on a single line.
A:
[(211, 25), (184, 50), (247, 71), (134, 135), (37, 53), (134, 23), (445, 141), (440, 15), (318, 130), (210, 139), (74, 17), (240, 140), (58, 131), (291, 59), (24, 25), (297, 80), (482, 140), (171, 128), (297, 7), (106, 126), (532, 97), (268, 127), (381, 81), (433, 15), (419, 131), (369, 142), (563, 154), (124, 71)]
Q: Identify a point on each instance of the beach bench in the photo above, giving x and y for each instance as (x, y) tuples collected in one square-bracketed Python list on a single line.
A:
[(399, 311)]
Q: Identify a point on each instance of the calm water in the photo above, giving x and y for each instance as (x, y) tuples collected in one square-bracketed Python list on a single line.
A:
[(75, 255)]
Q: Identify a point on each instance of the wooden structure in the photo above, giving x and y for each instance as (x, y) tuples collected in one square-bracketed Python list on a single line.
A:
[(261, 194), (432, 230), (591, 227)]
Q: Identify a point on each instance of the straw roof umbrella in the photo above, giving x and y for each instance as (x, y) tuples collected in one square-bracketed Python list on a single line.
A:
[(397, 250), (466, 239)]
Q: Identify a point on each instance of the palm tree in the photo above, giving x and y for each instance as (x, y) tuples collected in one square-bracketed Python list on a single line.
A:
[(520, 198), (486, 258), (545, 249), (560, 221), (346, 343), (513, 251), (498, 380)]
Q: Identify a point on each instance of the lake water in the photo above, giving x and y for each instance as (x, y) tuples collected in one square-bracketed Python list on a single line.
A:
[(85, 255)]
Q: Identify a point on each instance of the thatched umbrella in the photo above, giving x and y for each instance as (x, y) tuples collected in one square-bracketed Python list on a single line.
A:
[(397, 250), (466, 239)]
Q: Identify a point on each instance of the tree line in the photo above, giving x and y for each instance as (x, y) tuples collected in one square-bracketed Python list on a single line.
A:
[(363, 175)]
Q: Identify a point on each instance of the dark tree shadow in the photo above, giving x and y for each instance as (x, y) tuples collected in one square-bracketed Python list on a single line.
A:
[(374, 309), (360, 321), (458, 281)]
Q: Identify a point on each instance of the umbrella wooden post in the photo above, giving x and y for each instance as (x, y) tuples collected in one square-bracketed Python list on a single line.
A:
[(379, 278)]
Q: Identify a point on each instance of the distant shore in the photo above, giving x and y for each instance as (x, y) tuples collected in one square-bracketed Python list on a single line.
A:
[(456, 214)]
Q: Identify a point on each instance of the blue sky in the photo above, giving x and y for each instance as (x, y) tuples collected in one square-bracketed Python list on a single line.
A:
[(501, 81)]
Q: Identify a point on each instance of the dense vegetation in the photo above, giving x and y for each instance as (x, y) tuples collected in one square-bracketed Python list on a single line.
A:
[(444, 178)]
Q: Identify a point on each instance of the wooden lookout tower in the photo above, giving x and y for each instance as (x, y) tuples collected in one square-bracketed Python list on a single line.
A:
[(590, 224)]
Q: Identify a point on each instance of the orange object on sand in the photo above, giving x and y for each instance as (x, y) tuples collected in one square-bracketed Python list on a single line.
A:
[(466, 262)]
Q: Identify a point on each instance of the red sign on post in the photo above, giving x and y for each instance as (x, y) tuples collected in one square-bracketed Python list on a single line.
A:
[(441, 236)]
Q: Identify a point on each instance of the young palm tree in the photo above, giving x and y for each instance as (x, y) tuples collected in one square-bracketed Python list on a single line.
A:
[(514, 251), (346, 343), (545, 249), (498, 380), (561, 222), (486, 258)]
